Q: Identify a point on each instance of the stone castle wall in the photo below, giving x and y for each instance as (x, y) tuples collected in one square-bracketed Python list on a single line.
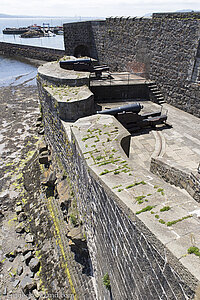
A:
[(163, 49), (143, 257), (40, 53)]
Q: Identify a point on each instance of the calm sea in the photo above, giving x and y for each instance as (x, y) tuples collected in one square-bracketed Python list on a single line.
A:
[(13, 72), (49, 42)]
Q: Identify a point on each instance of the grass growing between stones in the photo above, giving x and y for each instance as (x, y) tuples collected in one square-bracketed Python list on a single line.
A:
[(165, 208), (106, 281), (58, 238), (147, 208), (194, 250), (108, 156), (179, 220)]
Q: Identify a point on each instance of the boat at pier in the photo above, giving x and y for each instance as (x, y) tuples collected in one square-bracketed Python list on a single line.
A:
[(47, 30), (14, 30)]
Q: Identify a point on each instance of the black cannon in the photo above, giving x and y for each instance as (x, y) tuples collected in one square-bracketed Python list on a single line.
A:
[(80, 64), (129, 117), (135, 107), (85, 64)]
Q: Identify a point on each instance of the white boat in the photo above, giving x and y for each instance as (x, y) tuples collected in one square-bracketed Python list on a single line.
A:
[(49, 33)]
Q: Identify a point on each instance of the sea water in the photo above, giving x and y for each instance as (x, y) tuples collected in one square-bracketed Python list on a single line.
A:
[(14, 72), (56, 42)]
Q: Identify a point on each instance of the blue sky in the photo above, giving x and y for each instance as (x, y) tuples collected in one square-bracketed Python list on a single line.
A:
[(99, 8)]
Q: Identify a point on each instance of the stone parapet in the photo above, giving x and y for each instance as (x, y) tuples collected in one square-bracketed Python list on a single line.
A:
[(52, 73), (138, 227), (40, 53), (177, 15), (73, 102), (174, 174)]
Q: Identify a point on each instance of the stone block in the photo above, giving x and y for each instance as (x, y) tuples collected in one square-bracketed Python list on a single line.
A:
[(42, 146), (27, 284), (34, 265), (44, 158)]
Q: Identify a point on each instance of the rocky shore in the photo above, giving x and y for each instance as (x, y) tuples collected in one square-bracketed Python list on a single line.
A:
[(43, 252), (19, 110)]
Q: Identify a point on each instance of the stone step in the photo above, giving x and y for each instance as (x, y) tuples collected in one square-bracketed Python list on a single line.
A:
[(157, 94), (152, 87)]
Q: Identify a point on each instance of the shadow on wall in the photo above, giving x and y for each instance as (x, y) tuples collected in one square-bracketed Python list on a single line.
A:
[(81, 50)]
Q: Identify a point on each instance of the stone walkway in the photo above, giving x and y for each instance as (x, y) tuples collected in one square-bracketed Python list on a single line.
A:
[(121, 78), (179, 144)]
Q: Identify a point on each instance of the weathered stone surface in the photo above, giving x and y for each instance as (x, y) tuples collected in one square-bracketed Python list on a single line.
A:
[(28, 257), (43, 54), (36, 294), (19, 270), (63, 190), (43, 157), (20, 228), (29, 238), (34, 264), (53, 73), (4, 291), (121, 233), (16, 282), (145, 46), (22, 217), (27, 284), (11, 254), (42, 146), (38, 124), (18, 209), (75, 233), (41, 131), (50, 179)]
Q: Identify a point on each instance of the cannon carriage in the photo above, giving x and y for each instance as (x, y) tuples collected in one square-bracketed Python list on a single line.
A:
[(129, 117), (84, 64)]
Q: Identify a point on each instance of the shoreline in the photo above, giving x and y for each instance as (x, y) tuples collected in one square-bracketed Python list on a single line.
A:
[(18, 142)]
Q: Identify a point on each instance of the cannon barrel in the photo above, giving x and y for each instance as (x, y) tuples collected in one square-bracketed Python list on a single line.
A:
[(136, 108), (69, 64), (74, 61)]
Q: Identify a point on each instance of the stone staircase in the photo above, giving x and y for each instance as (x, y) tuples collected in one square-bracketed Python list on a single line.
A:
[(155, 94)]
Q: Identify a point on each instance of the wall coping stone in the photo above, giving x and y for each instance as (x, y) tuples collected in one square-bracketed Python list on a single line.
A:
[(53, 73), (171, 241), (69, 94)]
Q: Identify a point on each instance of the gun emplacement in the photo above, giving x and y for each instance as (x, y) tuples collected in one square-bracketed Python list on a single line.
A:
[(85, 64), (129, 116)]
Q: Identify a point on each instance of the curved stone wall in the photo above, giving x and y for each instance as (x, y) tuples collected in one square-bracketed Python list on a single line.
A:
[(68, 90)]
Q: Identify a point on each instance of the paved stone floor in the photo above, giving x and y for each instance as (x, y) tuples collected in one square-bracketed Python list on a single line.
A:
[(179, 144), (118, 78)]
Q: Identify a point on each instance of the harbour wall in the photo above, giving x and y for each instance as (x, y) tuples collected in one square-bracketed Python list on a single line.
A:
[(141, 254), (164, 49), (33, 52)]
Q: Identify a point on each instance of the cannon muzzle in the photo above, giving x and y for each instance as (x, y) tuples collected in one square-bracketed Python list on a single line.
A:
[(136, 108)]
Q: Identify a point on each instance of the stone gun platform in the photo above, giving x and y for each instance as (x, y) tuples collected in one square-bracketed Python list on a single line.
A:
[(120, 78), (130, 214), (177, 145)]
